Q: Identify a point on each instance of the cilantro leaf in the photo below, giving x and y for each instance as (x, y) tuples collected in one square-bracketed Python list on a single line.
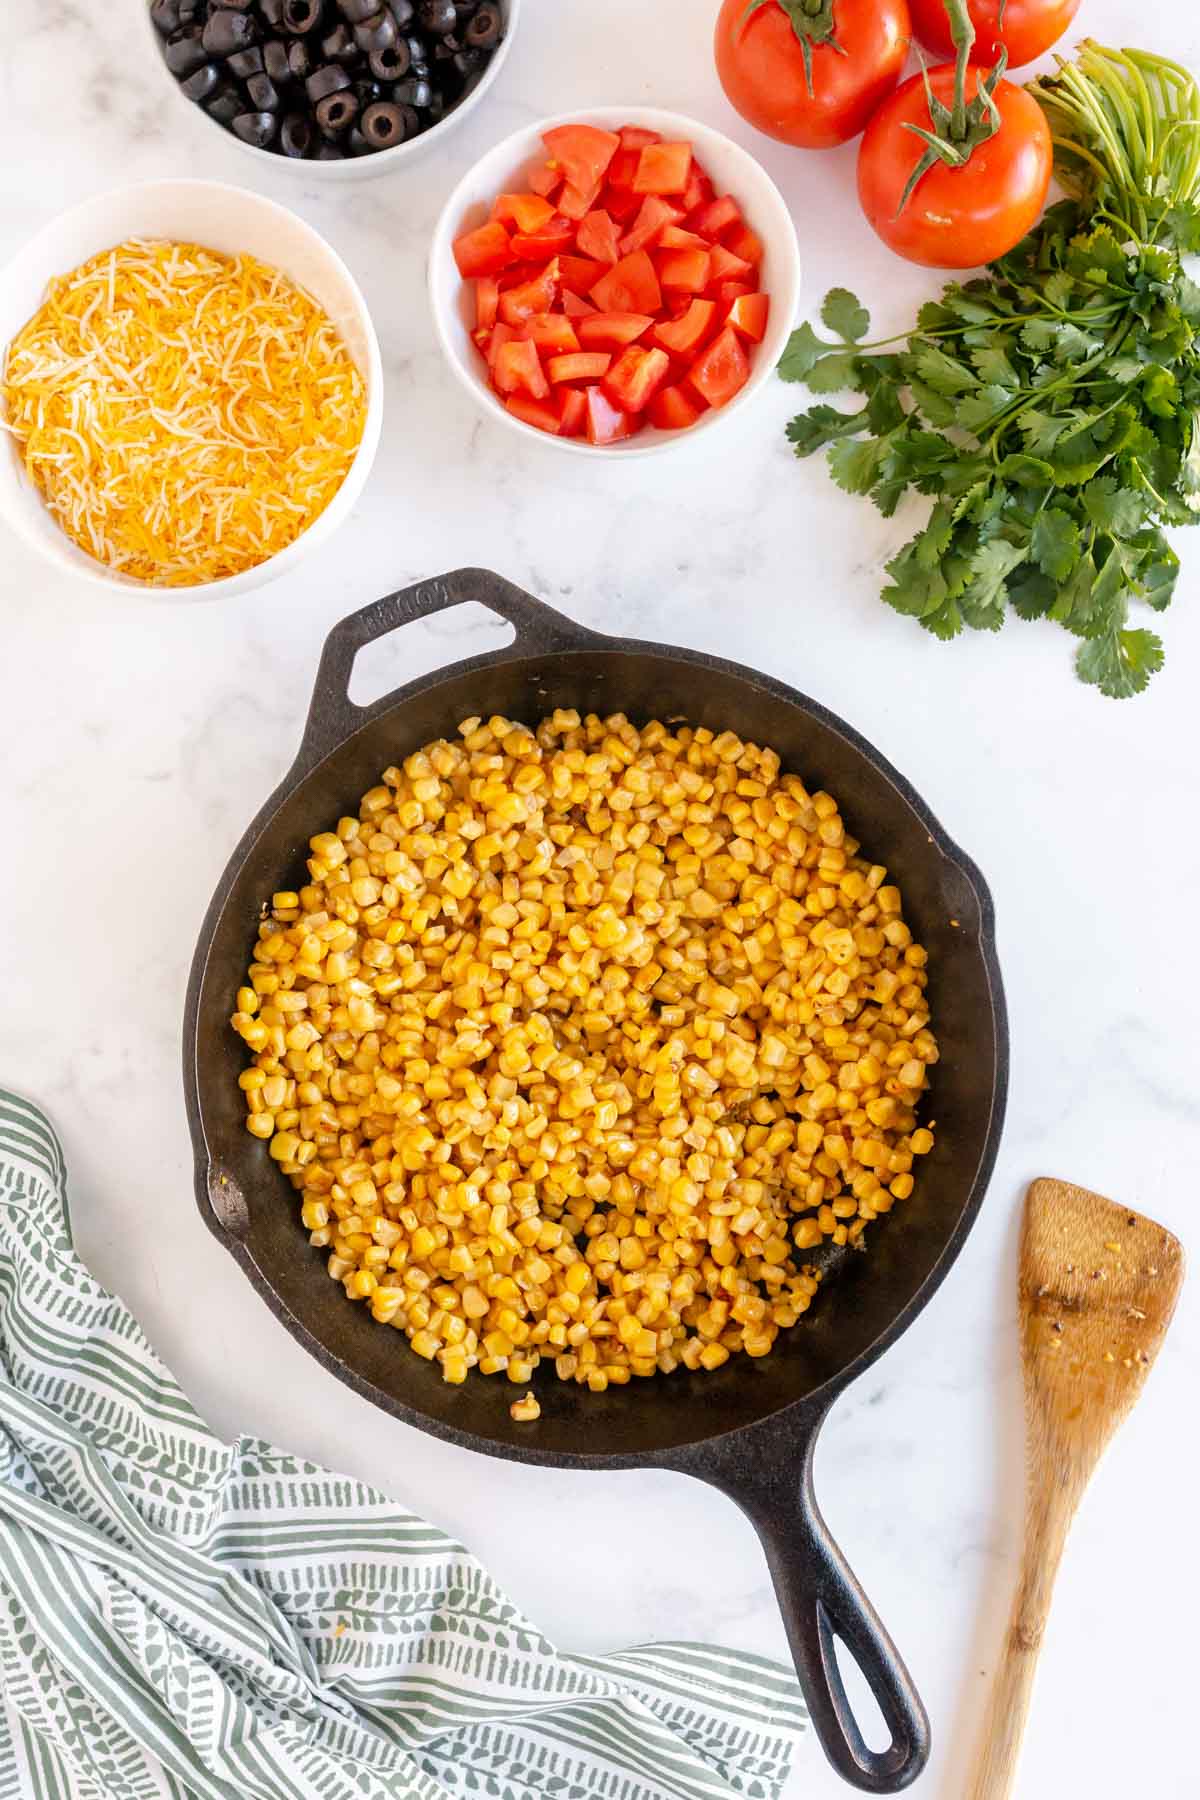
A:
[(1054, 543), (821, 425), (1121, 662), (803, 351), (943, 373), (855, 463), (836, 374), (1113, 509), (843, 313)]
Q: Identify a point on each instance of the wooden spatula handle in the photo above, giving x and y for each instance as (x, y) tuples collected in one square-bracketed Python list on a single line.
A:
[(1048, 1520)]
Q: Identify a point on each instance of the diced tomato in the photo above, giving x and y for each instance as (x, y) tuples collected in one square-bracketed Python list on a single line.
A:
[(484, 251), (579, 273), (612, 330), (614, 290), (630, 286), (582, 152), (636, 376), (534, 412), (606, 423), (487, 302), (699, 190), (518, 369), (620, 203), (501, 334), (722, 369), (545, 179), (527, 212), (597, 237), (673, 409), (553, 333), (584, 365), (623, 168), (683, 337), (575, 202), (674, 237), (653, 218), (748, 314), (572, 404), (554, 238), (535, 296), (663, 169), (716, 218), (747, 244), (728, 267), (684, 269)]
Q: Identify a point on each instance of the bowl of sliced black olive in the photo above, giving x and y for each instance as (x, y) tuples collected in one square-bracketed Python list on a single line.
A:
[(351, 85)]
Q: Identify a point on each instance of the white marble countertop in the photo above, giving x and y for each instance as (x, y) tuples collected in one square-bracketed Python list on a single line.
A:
[(136, 738)]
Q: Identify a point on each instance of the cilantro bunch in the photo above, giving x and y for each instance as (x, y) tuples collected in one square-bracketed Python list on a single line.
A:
[(1049, 408)]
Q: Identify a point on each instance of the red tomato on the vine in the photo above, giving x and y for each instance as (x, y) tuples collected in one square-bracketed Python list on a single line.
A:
[(762, 67), (955, 218), (1028, 29)]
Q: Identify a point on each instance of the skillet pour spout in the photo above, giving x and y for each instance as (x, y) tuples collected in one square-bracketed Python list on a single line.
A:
[(749, 1427)]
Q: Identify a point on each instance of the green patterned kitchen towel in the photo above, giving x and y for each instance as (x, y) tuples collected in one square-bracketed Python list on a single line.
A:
[(182, 1619)]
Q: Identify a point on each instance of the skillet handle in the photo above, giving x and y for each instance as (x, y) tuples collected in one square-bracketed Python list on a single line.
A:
[(332, 715), (821, 1600)]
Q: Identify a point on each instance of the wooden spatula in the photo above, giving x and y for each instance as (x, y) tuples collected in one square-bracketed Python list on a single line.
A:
[(1098, 1285)]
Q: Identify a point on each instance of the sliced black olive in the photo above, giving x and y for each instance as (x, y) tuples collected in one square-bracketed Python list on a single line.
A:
[(421, 70), (165, 16), (185, 52), (272, 12), (225, 105), (275, 60), (330, 78), (189, 10), (437, 110), (226, 31), (339, 46), (257, 128), (234, 5), (357, 144), (355, 11), (376, 33), (370, 91), (336, 112), (437, 16), (464, 8), (444, 49), (402, 11), (299, 60), (263, 92), (204, 81), (300, 16), (383, 125), (470, 62), (296, 135), (245, 63), (413, 92), (386, 64), (486, 29), (327, 152)]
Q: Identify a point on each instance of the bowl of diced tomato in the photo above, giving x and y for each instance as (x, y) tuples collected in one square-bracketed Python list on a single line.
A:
[(616, 281)]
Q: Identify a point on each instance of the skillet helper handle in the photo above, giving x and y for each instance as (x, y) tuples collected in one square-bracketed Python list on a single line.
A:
[(821, 1600), (332, 715)]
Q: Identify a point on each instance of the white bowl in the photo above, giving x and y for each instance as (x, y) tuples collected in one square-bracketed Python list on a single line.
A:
[(732, 170), (222, 218), (352, 168)]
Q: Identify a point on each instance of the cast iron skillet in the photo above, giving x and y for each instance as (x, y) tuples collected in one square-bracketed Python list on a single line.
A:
[(750, 1427)]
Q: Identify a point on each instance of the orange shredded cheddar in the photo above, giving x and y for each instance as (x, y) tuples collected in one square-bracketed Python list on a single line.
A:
[(184, 414)]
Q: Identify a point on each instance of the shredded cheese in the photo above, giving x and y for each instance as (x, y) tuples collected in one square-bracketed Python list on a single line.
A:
[(184, 414)]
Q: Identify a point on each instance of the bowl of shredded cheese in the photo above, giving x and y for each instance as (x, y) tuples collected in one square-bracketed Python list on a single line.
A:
[(190, 390)]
